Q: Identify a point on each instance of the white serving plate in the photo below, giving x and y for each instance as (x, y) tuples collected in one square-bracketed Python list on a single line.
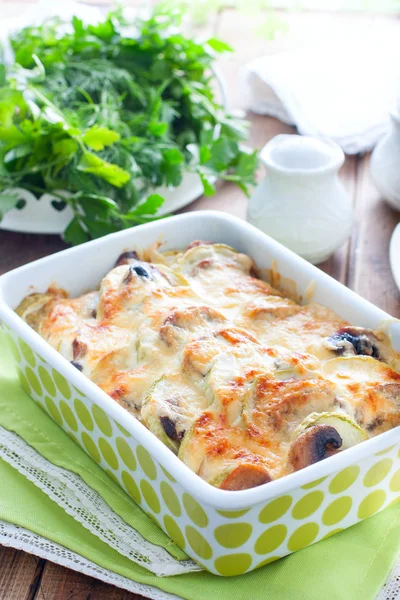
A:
[(39, 215), (227, 532)]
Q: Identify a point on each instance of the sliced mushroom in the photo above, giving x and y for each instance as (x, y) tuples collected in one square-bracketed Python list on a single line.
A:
[(350, 432), (315, 444), (126, 258), (77, 365), (158, 273), (350, 341), (79, 349), (245, 476), (139, 269), (169, 427)]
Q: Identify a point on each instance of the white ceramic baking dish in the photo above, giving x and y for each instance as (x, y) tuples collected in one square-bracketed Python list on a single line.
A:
[(227, 532)]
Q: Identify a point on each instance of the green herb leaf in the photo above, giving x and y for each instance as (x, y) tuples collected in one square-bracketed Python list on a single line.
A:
[(97, 228), (12, 136), (247, 166), (173, 156), (223, 153), (219, 45), (95, 206), (149, 207), (158, 129), (3, 75), (75, 232), (97, 138), (105, 31), (18, 152), (79, 29), (65, 147), (208, 186), (90, 163)]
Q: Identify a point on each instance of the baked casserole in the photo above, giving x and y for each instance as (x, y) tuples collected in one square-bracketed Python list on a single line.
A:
[(244, 384)]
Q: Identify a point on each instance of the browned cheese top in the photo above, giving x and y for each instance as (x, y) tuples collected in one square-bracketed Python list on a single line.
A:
[(243, 383)]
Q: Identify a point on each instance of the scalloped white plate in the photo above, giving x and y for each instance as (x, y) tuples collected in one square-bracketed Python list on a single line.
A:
[(39, 215)]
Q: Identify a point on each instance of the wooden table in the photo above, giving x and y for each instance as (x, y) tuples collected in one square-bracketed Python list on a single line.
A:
[(362, 263)]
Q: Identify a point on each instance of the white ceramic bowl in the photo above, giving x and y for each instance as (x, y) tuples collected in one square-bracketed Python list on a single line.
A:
[(227, 532), (385, 160)]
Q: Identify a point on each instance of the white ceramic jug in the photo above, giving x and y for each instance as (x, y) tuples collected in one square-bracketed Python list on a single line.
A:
[(301, 202), (385, 163)]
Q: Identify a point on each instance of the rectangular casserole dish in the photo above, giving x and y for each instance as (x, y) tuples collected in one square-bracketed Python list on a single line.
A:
[(229, 533)]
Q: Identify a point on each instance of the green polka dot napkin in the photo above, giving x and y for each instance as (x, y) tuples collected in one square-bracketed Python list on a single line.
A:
[(352, 565)]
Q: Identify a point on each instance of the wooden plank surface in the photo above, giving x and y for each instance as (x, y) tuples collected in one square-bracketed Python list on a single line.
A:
[(59, 583), (20, 574), (362, 263)]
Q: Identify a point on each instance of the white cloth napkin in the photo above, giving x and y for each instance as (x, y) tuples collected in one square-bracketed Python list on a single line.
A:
[(341, 93)]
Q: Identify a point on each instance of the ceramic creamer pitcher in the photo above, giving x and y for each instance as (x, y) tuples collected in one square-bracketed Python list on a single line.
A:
[(385, 163), (301, 202)]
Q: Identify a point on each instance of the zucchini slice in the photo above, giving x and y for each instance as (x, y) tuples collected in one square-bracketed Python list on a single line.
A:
[(173, 276), (363, 369), (370, 388), (181, 322), (169, 407), (30, 309), (279, 406), (268, 308), (198, 355), (347, 428), (216, 272), (230, 377), (198, 259)]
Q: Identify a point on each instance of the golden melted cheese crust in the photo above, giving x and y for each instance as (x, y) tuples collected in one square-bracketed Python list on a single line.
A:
[(244, 384)]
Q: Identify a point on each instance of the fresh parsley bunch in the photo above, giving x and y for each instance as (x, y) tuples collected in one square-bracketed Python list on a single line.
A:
[(109, 112)]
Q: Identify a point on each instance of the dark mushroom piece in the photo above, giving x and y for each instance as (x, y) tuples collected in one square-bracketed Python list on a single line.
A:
[(244, 477), (77, 365), (139, 269), (126, 258), (314, 444), (350, 341), (79, 349), (170, 428)]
